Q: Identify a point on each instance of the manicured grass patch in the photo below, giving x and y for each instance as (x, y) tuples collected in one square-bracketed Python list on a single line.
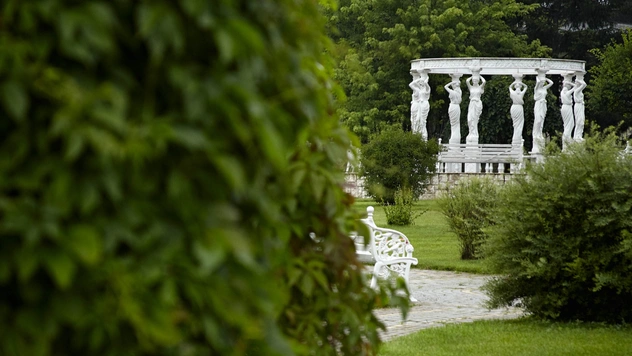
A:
[(514, 337), (436, 247)]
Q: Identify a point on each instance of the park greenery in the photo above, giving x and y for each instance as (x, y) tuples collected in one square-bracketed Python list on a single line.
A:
[(610, 92), (468, 209), (562, 241), (401, 212), (524, 337), (572, 28), (397, 160), (436, 246), (163, 165), (376, 40), (171, 179)]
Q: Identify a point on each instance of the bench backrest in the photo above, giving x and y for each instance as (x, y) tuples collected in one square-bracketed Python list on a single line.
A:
[(386, 244)]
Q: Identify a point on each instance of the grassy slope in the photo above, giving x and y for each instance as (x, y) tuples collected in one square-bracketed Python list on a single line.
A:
[(436, 247), (514, 337)]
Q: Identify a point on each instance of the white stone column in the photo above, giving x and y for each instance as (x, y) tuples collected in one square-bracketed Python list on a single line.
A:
[(542, 84), (420, 105), (578, 97)]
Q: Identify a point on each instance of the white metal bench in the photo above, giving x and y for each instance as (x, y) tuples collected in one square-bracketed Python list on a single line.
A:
[(389, 250)]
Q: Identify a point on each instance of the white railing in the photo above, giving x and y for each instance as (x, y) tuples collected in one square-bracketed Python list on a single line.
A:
[(481, 158)]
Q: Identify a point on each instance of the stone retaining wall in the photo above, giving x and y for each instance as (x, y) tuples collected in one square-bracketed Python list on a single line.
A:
[(439, 182)]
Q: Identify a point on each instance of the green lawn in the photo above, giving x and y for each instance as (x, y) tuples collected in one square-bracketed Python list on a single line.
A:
[(436, 247), (514, 337)]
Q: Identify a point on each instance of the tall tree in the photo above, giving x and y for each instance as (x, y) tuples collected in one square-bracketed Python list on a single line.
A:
[(377, 39), (572, 27), (609, 97)]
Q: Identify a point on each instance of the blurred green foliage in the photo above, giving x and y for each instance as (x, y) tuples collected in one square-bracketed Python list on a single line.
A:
[(561, 238), (396, 159), (163, 164)]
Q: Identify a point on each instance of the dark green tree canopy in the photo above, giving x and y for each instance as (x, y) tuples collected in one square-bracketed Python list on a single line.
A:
[(572, 27), (609, 97)]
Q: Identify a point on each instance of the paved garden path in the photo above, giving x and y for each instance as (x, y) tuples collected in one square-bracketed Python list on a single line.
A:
[(443, 297)]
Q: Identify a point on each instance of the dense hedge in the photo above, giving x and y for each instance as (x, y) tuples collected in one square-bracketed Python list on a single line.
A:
[(396, 159), (163, 163), (563, 237)]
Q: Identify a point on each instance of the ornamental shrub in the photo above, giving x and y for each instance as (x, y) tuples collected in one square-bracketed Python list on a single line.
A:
[(397, 159), (401, 212), (562, 240), (468, 208), (163, 164)]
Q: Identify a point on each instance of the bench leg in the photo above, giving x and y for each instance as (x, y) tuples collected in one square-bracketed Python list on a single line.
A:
[(376, 272), (377, 269)]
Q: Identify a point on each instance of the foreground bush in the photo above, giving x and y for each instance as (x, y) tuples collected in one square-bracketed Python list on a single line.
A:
[(163, 164), (468, 207), (396, 159), (562, 240)]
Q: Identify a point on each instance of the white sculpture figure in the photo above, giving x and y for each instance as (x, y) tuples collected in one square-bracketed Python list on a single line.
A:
[(542, 84), (352, 159), (454, 110), (516, 92), (578, 95), (476, 84), (566, 96), (420, 105)]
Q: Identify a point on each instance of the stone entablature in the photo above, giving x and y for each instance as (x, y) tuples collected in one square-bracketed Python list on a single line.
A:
[(438, 184), (498, 66)]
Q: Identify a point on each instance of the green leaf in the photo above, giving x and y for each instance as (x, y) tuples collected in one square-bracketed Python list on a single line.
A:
[(60, 267), (189, 137), (5, 271), (15, 99), (231, 170), (85, 241), (27, 262), (226, 45), (209, 257), (307, 285)]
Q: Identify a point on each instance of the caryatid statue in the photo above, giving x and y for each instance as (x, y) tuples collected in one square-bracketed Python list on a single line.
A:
[(566, 97), (516, 92), (542, 84), (476, 84), (578, 96), (454, 110), (420, 105)]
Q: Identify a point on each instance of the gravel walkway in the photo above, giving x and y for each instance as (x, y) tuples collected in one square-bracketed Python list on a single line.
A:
[(443, 298)]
